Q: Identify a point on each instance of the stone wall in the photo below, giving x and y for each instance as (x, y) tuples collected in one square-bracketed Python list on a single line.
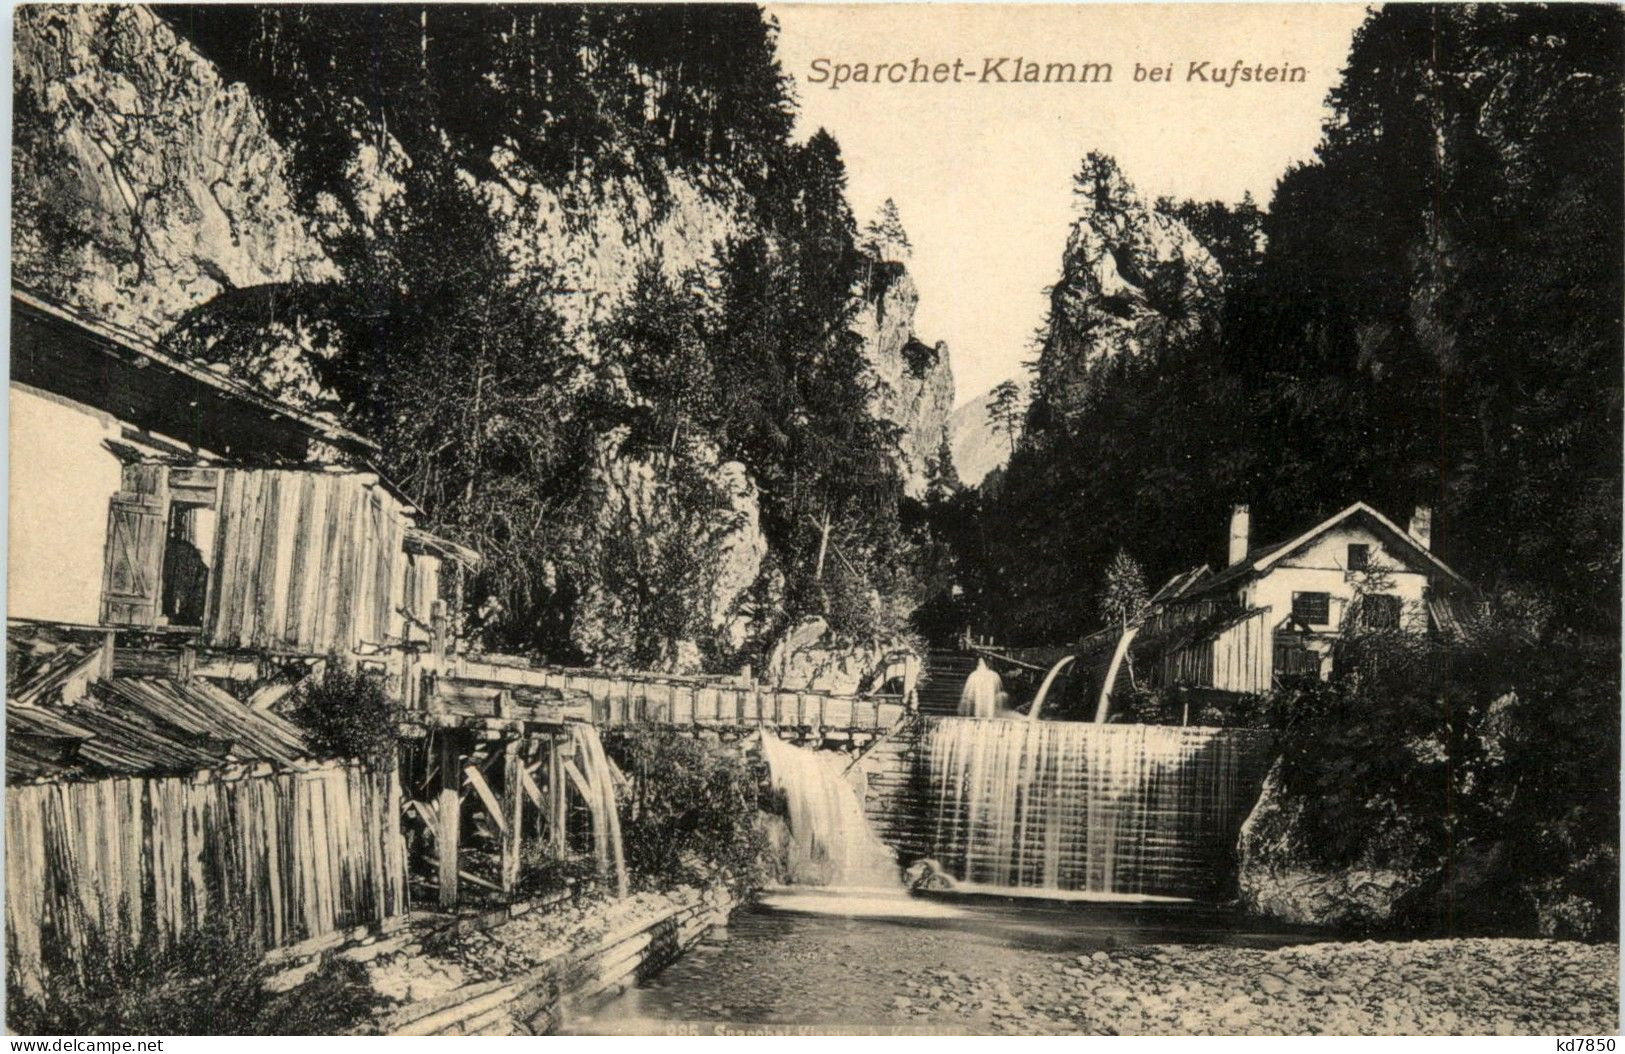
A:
[(523, 972)]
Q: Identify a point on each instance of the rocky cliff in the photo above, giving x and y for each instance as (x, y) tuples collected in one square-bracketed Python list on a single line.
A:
[(1277, 877), (916, 381), (143, 185), (1133, 278), (977, 449)]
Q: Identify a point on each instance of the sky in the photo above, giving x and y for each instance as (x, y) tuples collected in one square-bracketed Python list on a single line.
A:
[(981, 171)]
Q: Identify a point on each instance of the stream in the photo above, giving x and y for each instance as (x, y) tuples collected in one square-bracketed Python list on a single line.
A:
[(863, 961)]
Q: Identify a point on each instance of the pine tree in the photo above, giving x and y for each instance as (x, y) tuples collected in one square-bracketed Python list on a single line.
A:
[(1006, 410), (884, 238), (1123, 599), (941, 477)]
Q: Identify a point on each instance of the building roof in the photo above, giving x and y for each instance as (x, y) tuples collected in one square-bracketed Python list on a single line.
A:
[(136, 726), (1179, 585), (124, 374), (1260, 559)]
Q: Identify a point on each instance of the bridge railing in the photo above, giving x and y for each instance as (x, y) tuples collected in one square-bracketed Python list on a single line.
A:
[(631, 697)]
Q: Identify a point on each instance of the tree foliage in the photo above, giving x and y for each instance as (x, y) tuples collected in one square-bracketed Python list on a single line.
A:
[(1421, 318), (691, 813), (1487, 765)]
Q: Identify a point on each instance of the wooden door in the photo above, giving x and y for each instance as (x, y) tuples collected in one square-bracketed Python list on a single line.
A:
[(133, 579)]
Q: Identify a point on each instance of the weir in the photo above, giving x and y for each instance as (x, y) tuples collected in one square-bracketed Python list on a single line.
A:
[(1082, 807)]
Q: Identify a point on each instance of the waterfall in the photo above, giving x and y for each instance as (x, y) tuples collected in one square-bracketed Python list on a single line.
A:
[(832, 842), (1118, 653), (983, 694), (1043, 689), (1139, 809), (596, 783)]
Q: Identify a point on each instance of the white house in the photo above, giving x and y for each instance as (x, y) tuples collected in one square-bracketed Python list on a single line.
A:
[(1273, 612)]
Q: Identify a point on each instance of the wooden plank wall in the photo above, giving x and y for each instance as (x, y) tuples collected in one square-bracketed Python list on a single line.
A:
[(1242, 656), (1236, 659), (292, 855), (309, 562)]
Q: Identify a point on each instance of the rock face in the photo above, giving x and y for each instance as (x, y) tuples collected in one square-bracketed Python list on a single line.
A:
[(143, 184), (977, 449), (916, 390), (1276, 879), (928, 875), (699, 572), (1132, 279), (809, 658)]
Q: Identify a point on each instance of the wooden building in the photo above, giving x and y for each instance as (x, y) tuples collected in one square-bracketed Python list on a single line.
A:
[(150, 492), (1273, 613)]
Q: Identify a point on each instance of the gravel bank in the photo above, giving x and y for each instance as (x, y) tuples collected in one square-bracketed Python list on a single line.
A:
[(1464, 986)]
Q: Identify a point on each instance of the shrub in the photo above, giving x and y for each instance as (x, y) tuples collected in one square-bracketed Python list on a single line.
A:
[(346, 714), (690, 818), (542, 871), (1489, 765), (211, 981), (1170, 705)]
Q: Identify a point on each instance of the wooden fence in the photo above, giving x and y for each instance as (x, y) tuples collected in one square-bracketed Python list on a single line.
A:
[(293, 855)]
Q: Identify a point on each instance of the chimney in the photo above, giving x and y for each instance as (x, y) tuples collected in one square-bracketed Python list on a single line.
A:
[(1240, 533), (1421, 530)]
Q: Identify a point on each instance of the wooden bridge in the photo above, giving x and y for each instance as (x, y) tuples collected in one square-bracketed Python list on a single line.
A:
[(493, 755)]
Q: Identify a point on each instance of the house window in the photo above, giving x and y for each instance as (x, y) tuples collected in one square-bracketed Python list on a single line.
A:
[(1381, 611), (1312, 609), (1359, 557)]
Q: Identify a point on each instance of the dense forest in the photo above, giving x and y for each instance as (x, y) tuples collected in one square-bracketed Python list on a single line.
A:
[(409, 130), (1426, 313)]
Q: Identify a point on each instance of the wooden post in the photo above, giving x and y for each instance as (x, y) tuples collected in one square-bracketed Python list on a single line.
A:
[(513, 803), (437, 634), (449, 809), (823, 547), (557, 813), (109, 647)]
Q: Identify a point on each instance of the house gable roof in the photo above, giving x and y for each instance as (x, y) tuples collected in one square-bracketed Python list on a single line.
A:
[(1260, 559)]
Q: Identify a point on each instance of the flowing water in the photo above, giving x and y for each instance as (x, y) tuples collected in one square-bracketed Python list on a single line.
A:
[(831, 962), (598, 789), (831, 843), (1044, 689), (1106, 809), (983, 694)]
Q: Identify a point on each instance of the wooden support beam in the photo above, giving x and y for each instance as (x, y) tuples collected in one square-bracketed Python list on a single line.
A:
[(513, 803), (450, 811), (583, 786), (438, 633), (493, 808), (532, 791)]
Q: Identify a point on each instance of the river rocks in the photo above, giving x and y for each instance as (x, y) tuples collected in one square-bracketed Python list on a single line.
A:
[(1277, 878), (1471, 987), (928, 875)]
